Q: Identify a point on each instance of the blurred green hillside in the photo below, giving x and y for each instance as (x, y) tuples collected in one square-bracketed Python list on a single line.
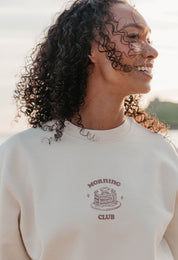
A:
[(166, 112)]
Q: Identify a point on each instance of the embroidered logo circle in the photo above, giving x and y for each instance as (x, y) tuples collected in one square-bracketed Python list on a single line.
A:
[(105, 199)]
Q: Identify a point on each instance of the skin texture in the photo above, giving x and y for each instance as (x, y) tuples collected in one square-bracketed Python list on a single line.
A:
[(108, 86)]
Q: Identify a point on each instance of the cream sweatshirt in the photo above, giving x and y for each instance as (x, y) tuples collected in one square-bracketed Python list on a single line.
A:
[(113, 197)]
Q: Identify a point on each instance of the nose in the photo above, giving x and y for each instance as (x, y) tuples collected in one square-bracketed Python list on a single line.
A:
[(149, 52)]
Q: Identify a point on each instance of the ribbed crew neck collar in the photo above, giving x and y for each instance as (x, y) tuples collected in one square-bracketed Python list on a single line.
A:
[(99, 136)]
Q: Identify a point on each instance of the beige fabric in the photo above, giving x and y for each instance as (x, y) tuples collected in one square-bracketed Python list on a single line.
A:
[(106, 199)]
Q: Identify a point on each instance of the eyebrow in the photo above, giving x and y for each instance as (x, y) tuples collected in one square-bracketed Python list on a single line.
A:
[(136, 25)]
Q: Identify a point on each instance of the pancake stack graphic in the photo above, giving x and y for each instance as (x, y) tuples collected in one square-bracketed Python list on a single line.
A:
[(105, 198)]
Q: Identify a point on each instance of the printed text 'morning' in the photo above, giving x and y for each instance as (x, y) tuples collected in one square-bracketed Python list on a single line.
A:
[(100, 181)]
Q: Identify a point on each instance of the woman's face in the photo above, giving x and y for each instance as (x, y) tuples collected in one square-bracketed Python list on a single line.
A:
[(134, 53)]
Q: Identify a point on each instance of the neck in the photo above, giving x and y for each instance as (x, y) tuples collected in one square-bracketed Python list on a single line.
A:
[(101, 120), (102, 110)]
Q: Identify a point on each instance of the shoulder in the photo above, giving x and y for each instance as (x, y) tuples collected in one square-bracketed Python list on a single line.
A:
[(155, 142), (33, 142), (21, 137), (21, 150), (27, 140)]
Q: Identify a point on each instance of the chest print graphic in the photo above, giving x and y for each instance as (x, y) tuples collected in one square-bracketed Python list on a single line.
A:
[(105, 198)]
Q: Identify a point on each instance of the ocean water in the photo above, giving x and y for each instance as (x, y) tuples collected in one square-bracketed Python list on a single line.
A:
[(172, 133)]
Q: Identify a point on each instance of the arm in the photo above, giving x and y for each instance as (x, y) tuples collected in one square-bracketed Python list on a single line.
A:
[(171, 234), (11, 243)]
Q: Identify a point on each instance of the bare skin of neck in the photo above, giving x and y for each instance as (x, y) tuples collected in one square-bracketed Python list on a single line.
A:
[(103, 109)]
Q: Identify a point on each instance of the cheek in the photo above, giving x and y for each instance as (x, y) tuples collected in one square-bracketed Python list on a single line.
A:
[(136, 48), (103, 65), (129, 51)]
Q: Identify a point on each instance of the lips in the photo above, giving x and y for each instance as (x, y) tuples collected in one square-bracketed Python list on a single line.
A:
[(145, 69)]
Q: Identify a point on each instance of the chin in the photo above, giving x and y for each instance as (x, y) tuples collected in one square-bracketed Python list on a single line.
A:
[(140, 91), (143, 89)]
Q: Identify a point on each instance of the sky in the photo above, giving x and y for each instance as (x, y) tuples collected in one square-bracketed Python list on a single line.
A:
[(23, 23)]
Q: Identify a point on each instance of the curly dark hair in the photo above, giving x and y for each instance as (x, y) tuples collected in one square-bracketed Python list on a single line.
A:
[(53, 85)]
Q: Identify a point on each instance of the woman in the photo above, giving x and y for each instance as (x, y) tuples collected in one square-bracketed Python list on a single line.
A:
[(92, 178)]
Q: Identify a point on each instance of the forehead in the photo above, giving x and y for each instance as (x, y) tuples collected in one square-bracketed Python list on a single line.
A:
[(128, 15)]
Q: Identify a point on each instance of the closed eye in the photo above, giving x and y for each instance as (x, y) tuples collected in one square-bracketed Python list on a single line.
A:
[(133, 36)]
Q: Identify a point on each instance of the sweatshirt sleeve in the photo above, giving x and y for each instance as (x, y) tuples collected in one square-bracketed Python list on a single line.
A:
[(11, 244), (171, 234)]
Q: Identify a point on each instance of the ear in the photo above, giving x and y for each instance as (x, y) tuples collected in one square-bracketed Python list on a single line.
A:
[(93, 53), (92, 57)]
